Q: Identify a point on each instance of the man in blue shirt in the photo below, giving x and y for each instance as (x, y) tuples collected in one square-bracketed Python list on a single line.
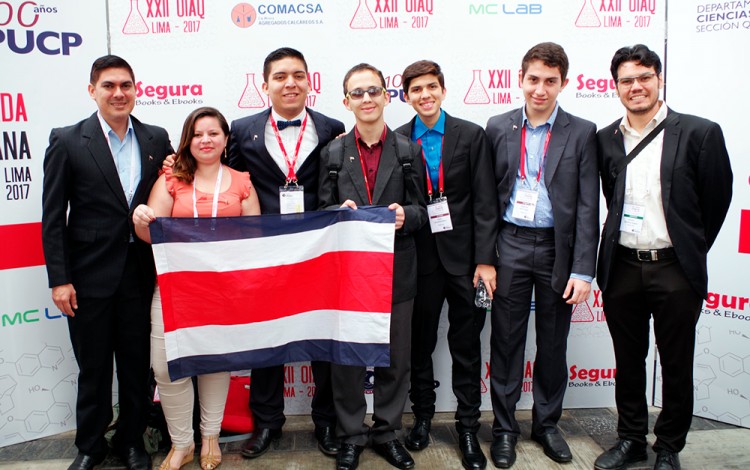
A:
[(546, 174), (455, 252)]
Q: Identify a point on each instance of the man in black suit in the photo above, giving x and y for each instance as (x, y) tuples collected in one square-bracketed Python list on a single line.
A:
[(454, 252), (378, 167), (280, 147), (548, 188), (102, 276), (665, 209)]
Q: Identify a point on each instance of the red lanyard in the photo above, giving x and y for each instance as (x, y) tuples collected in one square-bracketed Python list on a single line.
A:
[(523, 153), (441, 180), (364, 171), (291, 176)]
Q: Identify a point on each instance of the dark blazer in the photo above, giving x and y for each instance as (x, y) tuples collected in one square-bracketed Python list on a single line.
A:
[(696, 189), (247, 152), (472, 200), (570, 173), (89, 248), (390, 187)]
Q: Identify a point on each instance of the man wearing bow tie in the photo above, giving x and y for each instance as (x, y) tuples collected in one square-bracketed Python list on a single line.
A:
[(280, 147)]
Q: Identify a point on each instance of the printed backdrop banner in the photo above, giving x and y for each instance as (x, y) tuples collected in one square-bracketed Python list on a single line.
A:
[(227, 298), (190, 53)]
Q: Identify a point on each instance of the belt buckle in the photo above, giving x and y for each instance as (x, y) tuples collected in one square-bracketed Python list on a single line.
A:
[(647, 255)]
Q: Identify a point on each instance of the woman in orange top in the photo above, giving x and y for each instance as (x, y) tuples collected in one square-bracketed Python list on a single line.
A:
[(198, 185)]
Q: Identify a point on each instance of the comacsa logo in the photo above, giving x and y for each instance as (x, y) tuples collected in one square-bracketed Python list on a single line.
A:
[(24, 41)]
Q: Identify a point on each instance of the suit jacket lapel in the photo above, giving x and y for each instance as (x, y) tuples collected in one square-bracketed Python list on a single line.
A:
[(102, 156), (352, 166), (452, 136), (513, 149), (146, 144), (323, 131), (388, 162), (558, 140), (258, 128), (668, 154)]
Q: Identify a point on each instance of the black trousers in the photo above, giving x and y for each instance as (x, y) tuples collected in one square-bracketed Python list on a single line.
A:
[(267, 396), (466, 323), (636, 292), (117, 326), (526, 260), (390, 388)]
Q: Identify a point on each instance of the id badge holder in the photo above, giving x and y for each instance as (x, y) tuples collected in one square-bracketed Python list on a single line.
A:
[(439, 215), (632, 218), (291, 199), (525, 206)]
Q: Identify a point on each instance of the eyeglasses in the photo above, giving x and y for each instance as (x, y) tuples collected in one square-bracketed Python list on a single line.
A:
[(643, 79), (358, 93)]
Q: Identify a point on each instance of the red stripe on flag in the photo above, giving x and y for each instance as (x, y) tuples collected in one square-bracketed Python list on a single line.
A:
[(364, 282), (21, 246), (744, 231)]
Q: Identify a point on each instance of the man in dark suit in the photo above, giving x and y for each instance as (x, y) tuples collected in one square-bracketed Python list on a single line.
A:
[(280, 147), (665, 209), (102, 276), (374, 171), (455, 252), (548, 188)]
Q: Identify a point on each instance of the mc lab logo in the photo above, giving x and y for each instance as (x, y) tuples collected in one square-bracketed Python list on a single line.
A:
[(616, 14), (18, 32)]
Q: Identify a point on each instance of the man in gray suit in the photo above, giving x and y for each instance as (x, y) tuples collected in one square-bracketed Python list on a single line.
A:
[(548, 189), (376, 166)]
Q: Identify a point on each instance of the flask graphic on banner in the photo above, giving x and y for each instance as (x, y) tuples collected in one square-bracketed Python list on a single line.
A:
[(582, 313), (363, 18), (135, 24), (587, 17), (477, 94), (251, 97)]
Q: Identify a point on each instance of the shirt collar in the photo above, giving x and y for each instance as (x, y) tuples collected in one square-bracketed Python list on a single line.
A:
[(420, 128), (358, 136), (660, 115), (550, 120), (277, 117), (108, 129)]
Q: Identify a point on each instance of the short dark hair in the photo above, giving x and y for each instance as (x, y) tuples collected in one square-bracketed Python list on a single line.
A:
[(278, 54), (419, 68), (639, 54), (184, 161), (551, 54), (109, 62), (361, 68)]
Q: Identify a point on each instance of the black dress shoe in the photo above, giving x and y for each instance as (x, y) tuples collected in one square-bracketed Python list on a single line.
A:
[(348, 456), (395, 454), (260, 442), (473, 457), (623, 453), (86, 462), (135, 458), (666, 460), (327, 441), (554, 446), (419, 436), (503, 451)]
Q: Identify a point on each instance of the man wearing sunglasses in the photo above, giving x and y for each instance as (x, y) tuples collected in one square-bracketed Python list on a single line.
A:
[(455, 252), (666, 202), (375, 168), (280, 147), (548, 188)]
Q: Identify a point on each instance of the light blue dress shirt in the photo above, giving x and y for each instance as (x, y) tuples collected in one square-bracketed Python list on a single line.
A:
[(432, 144), (124, 152)]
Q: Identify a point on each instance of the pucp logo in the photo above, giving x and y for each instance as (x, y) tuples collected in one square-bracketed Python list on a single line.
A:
[(26, 16)]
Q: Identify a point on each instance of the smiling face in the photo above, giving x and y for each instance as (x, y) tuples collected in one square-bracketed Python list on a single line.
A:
[(287, 86), (541, 85), (641, 99), (426, 96), (209, 141), (368, 109), (114, 93)]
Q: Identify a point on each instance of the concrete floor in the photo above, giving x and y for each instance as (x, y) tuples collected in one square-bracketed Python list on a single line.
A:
[(711, 445)]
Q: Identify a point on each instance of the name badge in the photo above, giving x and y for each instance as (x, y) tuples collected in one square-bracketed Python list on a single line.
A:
[(632, 218), (525, 205), (439, 215), (291, 199)]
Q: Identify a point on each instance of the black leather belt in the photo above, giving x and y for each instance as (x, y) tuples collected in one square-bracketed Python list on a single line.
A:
[(647, 255)]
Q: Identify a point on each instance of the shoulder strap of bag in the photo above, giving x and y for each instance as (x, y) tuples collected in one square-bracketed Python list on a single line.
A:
[(642, 144)]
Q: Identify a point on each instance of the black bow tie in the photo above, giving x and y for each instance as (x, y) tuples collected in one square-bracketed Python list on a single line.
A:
[(284, 124)]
